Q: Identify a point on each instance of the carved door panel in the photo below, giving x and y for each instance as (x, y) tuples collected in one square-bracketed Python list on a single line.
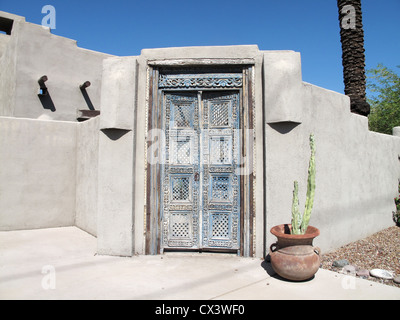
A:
[(200, 185), (220, 183), (180, 209)]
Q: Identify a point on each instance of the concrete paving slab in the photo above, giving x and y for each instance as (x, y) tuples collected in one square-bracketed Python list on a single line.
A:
[(61, 263)]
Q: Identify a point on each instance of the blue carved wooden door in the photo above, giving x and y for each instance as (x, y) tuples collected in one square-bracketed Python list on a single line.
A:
[(200, 173)]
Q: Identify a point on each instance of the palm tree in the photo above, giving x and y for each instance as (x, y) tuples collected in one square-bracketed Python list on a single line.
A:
[(353, 58)]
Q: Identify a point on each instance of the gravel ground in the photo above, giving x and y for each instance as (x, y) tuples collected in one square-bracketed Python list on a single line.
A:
[(379, 251)]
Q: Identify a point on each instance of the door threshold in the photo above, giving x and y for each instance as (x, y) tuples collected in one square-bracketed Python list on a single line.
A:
[(207, 251)]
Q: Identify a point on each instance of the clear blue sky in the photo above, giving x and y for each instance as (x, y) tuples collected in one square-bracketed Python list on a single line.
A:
[(310, 27)]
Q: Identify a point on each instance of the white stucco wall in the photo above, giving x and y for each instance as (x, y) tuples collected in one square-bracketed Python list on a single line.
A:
[(8, 65), (37, 173), (48, 176), (87, 149), (28, 53), (117, 158), (357, 170), (115, 230)]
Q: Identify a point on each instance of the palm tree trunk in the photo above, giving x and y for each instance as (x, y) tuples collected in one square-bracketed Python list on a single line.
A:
[(353, 58)]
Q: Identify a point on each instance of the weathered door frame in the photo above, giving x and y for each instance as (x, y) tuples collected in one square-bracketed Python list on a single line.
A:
[(153, 221)]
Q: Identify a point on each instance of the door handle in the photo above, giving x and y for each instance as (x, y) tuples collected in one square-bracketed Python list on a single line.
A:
[(196, 176)]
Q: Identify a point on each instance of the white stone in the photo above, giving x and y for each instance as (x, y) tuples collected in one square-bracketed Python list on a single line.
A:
[(380, 273)]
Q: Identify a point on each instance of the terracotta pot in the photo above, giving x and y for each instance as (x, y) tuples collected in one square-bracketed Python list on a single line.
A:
[(294, 257)]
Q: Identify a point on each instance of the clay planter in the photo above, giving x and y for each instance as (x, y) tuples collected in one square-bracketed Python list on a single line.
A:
[(294, 257)]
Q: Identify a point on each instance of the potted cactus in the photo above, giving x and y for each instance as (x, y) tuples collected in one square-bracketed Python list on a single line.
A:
[(293, 256)]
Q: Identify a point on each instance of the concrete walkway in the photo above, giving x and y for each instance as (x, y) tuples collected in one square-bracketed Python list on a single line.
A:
[(61, 263)]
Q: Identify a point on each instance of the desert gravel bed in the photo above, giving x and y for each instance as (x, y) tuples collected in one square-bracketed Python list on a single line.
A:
[(378, 251)]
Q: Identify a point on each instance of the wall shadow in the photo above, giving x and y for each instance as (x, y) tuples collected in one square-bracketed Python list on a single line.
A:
[(115, 134), (284, 127), (268, 268)]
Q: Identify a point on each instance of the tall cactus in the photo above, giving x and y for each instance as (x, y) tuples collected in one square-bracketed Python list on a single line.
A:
[(296, 215), (300, 223)]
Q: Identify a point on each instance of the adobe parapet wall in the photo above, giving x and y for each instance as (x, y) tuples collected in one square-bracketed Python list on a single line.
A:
[(29, 52)]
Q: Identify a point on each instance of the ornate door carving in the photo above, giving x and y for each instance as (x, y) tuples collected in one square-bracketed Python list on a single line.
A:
[(180, 185), (220, 153), (200, 205)]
